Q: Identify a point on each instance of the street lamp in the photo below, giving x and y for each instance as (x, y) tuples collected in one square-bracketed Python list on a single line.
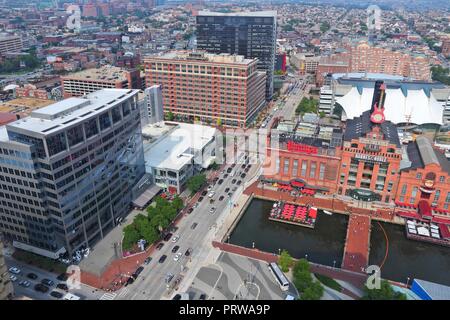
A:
[(334, 264), (407, 281), (253, 245), (306, 256), (279, 251)]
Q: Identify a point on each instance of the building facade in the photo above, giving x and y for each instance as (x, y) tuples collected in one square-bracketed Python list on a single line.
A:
[(425, 178), (10, 44), (251, 34), (90, 80), (218, 89), (69, 171), (154, 103), (6, 287)]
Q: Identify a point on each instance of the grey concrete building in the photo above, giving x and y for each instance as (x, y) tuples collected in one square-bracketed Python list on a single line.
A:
[(251, 34), (6, 287), (69, 170)]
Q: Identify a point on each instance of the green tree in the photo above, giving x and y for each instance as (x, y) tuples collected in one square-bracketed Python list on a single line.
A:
[(285, 261), (177, 203), (302, 280), (170, 116), (130, 237), (313, 292), (307, 105), (441, 74), (300, 266), (386, 292), (194, 183)]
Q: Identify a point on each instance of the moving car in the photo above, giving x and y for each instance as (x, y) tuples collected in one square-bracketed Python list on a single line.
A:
[(47, 282), (147, 260), (162, 259), (194, 225), (168, 278), (188, 252), (62, 286), (212, 210), (41, 288), (24, 283), (32, 276), (56, 294), (175, 239), (211, 194), (13, 278), (202, 297), (175, 249), (62, 277), (177, 256)]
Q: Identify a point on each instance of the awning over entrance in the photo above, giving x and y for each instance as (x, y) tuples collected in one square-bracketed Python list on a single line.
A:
[(146, 196)]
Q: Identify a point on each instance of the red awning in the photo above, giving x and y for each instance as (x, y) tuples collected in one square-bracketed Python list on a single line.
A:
[(425, 209), (297, 184), (406, 214), (441, 220), (312, 213)]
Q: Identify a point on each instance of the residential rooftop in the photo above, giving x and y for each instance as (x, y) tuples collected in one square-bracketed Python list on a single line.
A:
[(238, 14), (200, 55), (105, 73)]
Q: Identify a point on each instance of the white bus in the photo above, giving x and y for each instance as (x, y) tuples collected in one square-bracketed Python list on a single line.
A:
[(279, 276)]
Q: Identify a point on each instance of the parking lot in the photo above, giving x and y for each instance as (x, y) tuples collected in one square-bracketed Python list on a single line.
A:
[(235, 277)]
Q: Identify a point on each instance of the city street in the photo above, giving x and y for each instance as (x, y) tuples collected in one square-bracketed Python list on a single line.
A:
[(150, 284), (85, 292)]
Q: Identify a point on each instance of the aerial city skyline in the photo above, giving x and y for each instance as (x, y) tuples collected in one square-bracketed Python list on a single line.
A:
[(224, 150)]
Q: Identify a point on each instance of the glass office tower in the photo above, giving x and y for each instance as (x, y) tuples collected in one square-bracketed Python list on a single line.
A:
[(251, 34), (68, 171)]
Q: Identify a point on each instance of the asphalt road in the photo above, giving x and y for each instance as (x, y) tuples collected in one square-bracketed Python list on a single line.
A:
[(85, 292), (150, 285)]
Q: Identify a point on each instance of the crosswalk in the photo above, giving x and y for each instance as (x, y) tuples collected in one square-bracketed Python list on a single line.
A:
[(122, 293), (108, 296)]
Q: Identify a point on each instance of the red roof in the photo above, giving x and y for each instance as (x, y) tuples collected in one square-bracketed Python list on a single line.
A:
[(441, 220), (406, 214)]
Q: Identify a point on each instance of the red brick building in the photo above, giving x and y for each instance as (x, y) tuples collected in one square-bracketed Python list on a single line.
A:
[(371, 154), (225, 89), (427, 179)]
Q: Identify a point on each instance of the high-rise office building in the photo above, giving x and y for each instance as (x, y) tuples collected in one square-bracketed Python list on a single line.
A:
[(154, 103), (10, 44), (251, 34), (6, 287), (219, 89), (69, 170)]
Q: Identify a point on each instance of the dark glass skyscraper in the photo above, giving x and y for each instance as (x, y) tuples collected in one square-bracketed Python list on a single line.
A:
[(69, 170), (251, 34)]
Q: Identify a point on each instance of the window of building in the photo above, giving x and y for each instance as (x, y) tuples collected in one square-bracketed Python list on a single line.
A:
[(322, 171), (295, 168), (413, 195), (419, 176), (442, 179), (304, 167), (437, 195), (75, 135), (312, 172), (277, 165), (404, 187), (56, 143), (286, 166)]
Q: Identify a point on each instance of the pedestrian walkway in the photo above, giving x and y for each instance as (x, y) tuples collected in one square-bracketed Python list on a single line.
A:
[(123, 292), (108, 296), (356, 251)]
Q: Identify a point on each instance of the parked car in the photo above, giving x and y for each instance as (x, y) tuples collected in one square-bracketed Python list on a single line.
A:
[(194, 225), (167, 236), (129, 281), (211, 194), (175, 238), (188, 252), (225, 175), (233, 181), (13, 278), (177, 256), (234, 189), (229, 170), (56, 294), (162, 259), (200, 199), (227, 189), (25, 283), (175, 249), (204, 193), (62, 286), (239, 182), (243, 175), (189, 211), (202, 297), (32, 276), (212, 210), (41, 288), (147, 260), (47, 282), (221, 198), (220, 181), (137, 272), (14, 270), (160, 245)]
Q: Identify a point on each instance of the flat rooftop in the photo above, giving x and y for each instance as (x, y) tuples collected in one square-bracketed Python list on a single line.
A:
[(24, 105), (203, 56), (70, 111), (239, 14), (106, 73), (174, 148)]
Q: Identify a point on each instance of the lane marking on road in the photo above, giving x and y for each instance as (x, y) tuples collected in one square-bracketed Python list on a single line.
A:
[(108, 296)]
